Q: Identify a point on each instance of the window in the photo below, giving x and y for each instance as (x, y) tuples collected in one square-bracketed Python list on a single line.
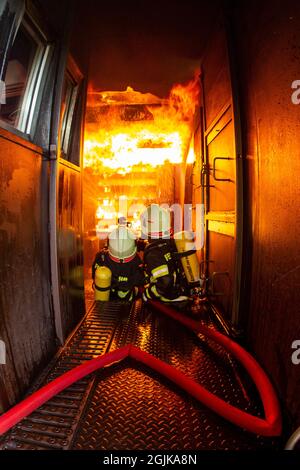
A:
[(69, 99), (70, 136), (22, 76)]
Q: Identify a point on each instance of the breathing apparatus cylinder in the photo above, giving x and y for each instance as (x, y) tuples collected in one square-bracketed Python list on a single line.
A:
[(102, 283), (185, 245)]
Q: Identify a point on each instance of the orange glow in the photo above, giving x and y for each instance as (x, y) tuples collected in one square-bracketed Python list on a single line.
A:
[(191, 156), (132, 129), (128, 135)]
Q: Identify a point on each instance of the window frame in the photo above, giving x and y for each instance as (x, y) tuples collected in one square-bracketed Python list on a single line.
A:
[(69, 118), (25, 125), (36, 74)]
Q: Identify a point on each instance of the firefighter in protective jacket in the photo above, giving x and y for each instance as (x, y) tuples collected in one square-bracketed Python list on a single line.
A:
[(124, 263), (160, 257)]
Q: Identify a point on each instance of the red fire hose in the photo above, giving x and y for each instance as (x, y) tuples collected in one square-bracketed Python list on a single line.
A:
[(270, 426), (37, 399)]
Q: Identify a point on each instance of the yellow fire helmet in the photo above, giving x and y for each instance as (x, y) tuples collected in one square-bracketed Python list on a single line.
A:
[(122, 244), (156, 222)]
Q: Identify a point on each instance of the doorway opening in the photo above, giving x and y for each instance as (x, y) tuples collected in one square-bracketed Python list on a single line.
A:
[(139, 149)]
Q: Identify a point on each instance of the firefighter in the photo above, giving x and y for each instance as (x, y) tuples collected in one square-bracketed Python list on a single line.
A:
[(160, 259), (124, 264)]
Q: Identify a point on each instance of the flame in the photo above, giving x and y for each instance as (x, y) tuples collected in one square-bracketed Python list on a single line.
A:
[(128, 135), (155, 131)]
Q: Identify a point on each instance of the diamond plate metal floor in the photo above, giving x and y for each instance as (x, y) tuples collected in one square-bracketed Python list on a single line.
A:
[(53, 425), (127, 406)]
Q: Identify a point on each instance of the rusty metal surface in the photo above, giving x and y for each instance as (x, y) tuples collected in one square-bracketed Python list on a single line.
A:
[(25, 297), (127, 406), (268, 57)]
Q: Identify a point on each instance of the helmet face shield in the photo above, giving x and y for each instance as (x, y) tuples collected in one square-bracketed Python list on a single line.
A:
[(155, 222), (122, 244)]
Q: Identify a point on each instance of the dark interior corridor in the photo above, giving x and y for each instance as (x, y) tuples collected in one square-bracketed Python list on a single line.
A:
[(105, 109)]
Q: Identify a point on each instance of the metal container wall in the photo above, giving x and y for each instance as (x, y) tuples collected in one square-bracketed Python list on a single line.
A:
[(26, 320), (267, 41), (70, 249)]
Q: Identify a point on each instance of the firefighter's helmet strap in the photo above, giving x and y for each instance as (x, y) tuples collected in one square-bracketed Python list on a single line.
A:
[(123, 260)]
